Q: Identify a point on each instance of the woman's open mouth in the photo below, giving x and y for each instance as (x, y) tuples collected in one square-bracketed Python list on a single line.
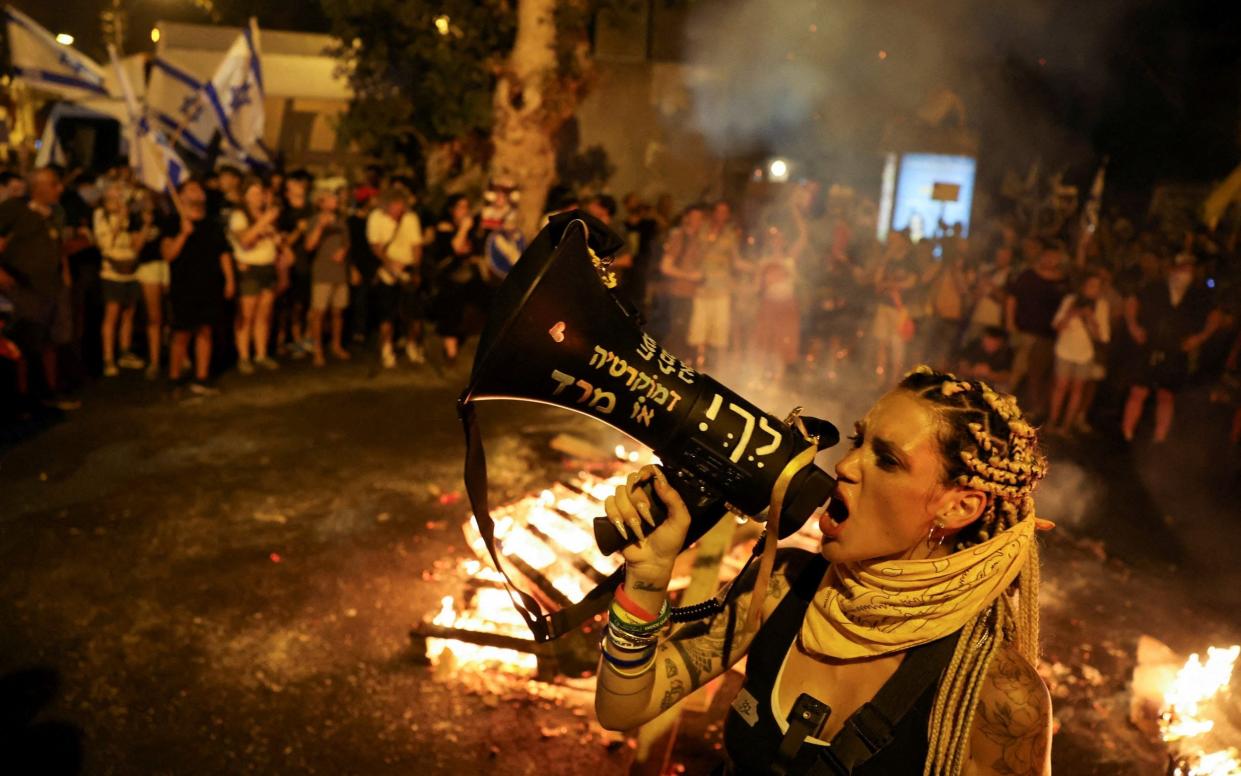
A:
[(832, 521)]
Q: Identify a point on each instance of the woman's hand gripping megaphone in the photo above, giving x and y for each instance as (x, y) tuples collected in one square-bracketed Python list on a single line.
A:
[(651, 520)]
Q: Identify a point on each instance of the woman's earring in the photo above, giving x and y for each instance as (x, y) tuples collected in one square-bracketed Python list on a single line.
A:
[(935, 536)]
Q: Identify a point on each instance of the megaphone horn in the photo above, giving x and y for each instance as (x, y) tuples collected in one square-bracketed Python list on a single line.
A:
[(556, 335)]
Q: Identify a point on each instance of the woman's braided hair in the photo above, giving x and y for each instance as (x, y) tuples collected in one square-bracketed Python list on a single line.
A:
[(987, 445)]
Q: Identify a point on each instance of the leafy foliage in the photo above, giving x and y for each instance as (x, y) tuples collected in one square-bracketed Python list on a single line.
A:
[(415, 86), (418, 89)]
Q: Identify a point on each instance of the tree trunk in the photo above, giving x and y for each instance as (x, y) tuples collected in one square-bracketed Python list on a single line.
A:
[(524, 123)]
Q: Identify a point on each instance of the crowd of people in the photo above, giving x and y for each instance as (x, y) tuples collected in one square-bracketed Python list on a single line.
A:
[(290, 267), (1084, 321)]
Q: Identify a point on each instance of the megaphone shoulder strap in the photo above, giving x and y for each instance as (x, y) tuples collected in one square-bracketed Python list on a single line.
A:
[(544, 626)]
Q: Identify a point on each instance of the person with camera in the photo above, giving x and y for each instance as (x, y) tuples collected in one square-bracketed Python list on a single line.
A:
[(256, 247), (917, 623), (1083, 325)]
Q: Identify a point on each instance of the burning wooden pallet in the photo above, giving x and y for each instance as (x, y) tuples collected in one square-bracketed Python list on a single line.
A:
[(549, 540)]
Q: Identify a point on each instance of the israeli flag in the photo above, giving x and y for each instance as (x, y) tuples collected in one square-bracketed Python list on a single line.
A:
[(38, 59), (235, 93), (155, 162), (177, 103)]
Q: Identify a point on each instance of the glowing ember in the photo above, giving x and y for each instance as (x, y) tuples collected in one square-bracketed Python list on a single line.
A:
[(1218, 764), (1185, 719), (500, 617), (551, 534)]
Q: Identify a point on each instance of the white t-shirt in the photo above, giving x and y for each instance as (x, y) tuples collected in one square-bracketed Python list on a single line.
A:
[(401, 239), (1073, 343), (777, 275), (111, 233), (262, 253)]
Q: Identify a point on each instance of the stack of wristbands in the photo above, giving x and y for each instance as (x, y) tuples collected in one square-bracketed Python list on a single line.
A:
[(632, 635)]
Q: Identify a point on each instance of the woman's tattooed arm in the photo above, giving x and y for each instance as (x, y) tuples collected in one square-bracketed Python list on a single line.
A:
[(691, 656), (1012, 727)]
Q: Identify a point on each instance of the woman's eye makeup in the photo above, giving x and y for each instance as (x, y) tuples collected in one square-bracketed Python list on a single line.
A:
[(885, 458), (886, 461)]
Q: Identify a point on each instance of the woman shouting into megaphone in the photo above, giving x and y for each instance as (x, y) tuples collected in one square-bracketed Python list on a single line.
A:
[(907, 645)]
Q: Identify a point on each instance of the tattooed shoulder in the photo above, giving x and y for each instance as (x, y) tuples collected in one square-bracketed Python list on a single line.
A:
[(1012, 727)]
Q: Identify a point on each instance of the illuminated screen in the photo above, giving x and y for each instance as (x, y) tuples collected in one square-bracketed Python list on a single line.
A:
[(921, 175)]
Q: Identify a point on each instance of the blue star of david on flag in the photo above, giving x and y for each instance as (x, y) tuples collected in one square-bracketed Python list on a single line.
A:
[(240, 97), (77, 67), (191, 108)]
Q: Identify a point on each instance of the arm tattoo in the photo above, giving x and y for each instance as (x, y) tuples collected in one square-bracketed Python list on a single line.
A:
[(1013, 718), (701, 646), (648, 587), (777, 586), (676, 689)]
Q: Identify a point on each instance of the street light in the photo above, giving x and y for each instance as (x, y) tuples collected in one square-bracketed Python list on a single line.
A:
[(64, 39)]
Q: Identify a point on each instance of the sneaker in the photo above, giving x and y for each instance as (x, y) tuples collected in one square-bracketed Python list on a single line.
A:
[(130, 361), (202, 389), (152, 372), (245, 366), (415, 354), (110, 370), (268, 363), (62, 403), (388, 357)]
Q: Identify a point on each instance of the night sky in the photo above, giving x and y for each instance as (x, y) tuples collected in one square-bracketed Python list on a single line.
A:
[(1154, 84)]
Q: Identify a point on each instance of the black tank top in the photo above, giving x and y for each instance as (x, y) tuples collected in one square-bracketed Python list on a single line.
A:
[(752, 748)]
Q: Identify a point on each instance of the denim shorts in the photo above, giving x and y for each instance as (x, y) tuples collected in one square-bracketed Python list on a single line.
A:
[(256, 278)]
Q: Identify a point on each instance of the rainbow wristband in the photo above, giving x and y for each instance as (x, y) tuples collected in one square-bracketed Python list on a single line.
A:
[(621, 620)]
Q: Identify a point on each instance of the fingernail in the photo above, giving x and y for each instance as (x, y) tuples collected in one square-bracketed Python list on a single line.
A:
[(646, 513), (620, 528)]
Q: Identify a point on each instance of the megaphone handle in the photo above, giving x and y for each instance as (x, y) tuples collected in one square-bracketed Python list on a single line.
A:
[(610, 540)]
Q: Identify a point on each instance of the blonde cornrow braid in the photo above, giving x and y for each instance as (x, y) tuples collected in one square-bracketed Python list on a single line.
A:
[(988, 446)]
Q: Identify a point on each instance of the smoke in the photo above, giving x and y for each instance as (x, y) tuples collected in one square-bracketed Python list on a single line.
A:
[(752, 85), (818, 79), (1069, 495)]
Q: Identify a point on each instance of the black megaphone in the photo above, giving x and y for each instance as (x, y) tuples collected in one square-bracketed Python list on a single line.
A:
[(557, 335)]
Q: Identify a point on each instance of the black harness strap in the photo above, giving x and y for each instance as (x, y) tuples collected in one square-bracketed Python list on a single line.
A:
[(869, 729)]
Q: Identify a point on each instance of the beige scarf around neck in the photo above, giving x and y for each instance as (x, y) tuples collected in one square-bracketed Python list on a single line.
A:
[(879, 607)]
